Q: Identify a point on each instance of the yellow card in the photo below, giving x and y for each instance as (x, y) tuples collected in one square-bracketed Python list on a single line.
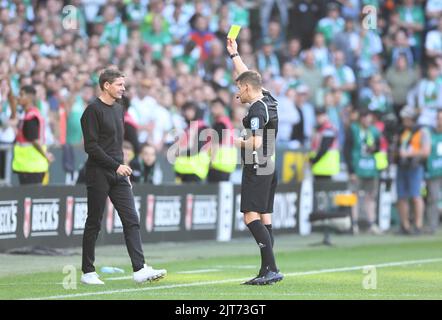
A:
[(234, 31)]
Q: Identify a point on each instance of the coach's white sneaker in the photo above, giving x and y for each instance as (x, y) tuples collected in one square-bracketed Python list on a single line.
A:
[(91, 278), (148, 274)]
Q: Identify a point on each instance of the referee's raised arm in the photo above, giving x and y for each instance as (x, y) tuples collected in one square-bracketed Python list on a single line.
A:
[(238, 64)]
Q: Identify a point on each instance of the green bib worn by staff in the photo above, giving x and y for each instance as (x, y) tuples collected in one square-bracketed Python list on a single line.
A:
[(364, 162), (434, 161)]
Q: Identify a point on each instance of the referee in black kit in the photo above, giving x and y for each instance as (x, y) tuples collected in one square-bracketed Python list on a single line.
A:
[(106, 175), (258, 177)]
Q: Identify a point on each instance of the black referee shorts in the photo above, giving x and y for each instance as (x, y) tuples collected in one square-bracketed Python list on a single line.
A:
[(257, 191)]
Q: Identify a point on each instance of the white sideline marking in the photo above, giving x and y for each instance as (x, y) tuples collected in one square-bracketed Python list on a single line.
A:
[(119, 278), (223, 266), (193, 271), (198, 271), (204, 283), (309, 294)]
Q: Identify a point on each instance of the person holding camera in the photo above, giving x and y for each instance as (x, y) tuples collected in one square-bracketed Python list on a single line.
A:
[(414, 147)]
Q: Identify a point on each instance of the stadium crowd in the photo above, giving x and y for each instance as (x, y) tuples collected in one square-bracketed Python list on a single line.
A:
[(349, 57)]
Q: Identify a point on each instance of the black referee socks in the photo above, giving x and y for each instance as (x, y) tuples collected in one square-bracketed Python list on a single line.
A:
[(262, 237), (269, 229)]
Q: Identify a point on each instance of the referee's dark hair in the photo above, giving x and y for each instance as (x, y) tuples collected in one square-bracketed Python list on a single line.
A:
[(109, 75), (250, 77)]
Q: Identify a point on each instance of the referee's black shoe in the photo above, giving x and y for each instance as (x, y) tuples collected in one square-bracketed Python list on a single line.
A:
[(251, 281), (269, 277), (260, 274)]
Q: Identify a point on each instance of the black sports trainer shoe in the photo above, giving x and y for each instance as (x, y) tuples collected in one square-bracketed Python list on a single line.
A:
[(251, 281), (270, 277), (260, 274)]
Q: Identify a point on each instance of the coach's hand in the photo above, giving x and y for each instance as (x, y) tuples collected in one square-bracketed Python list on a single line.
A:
[(124, 170)]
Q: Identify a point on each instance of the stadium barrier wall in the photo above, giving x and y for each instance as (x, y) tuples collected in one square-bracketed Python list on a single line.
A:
[(325, 192), (54, 216)]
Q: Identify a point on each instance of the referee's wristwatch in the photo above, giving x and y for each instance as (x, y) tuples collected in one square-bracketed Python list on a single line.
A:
[(233, 55)]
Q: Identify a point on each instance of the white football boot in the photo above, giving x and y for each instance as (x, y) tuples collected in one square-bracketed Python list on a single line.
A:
[(148, 274), (91, 278)]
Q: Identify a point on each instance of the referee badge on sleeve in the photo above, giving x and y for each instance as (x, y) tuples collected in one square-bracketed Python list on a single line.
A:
[(254, 123)]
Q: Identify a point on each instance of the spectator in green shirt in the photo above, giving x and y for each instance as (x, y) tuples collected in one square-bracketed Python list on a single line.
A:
[(412, 18), (239, 14), (135, 12), (309, 73), (332, 24), (190, 56), (157, 37), (377, 97), (401, 78), (115, 31)]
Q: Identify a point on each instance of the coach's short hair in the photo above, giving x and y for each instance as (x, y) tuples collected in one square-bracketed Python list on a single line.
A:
[(250, 77), (109, 75)]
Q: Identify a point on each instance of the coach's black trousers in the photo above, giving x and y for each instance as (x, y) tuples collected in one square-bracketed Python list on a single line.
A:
[(102, 183)]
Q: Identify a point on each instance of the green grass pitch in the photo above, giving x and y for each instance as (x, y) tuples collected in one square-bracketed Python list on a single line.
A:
[(357, 267)]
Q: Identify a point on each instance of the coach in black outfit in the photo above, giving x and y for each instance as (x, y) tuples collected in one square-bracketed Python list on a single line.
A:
[(259, 177), (106, 175)]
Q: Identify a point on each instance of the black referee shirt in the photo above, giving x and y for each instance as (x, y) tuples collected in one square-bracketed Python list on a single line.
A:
[(262, 117), (103, 131)]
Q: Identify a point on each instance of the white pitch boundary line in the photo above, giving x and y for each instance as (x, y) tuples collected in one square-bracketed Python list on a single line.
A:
[(218, 268), (179, 272), (198, 271), (204, 283), (119, 278), (225, 266)]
